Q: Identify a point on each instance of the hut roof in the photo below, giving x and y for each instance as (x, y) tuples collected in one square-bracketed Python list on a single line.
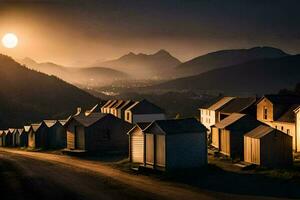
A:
[(119, 103), (289, 115), (27, 128), (231, 119), (261, 131), (177, 126), (107, 103), (20, 130), (216, 105), (126, 104), (50, 123), (113, 102), (141, 125), (11, 130), (96, 108), (282, 99), (37, 126), (145, 107), (238, 104), (90, 119)]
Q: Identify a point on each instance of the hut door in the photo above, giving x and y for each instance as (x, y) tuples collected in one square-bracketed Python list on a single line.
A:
[(149, 149), (225, 142), (160, 151), (79, 138)]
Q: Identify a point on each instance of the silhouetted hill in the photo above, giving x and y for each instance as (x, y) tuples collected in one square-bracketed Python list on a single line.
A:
[(255, 77), (91, 76), (144, 65), (29, 96), (225, 58)]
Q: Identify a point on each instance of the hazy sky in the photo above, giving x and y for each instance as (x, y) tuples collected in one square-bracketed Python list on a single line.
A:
[(75, 32)]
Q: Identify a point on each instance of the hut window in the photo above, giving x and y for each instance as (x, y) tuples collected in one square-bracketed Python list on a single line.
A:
[(265, 112), (288, 131), (282, 128), (127, 115)]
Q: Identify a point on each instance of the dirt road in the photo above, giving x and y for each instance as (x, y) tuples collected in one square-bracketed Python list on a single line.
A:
[(33, 175)]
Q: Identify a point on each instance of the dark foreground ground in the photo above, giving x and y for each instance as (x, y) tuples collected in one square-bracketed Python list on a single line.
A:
[(33, 175)]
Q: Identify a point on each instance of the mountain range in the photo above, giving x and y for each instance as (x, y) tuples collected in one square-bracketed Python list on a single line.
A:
[(261, 76), (29, 96), (144, 66), (89, 76), (225, 58)]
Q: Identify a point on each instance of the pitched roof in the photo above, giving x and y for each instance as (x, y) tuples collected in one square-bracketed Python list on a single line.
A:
[(50, 123), (113, 102), (141, 125), (238, 104), (126, 104), (119, 103), (65, 121), (260, 131), (289, 115), (107, 103), (20, 130), (35, 127), (89, 120), (94, 109), (282, 99), (145, 107), (219, 103), (231, 119), (178, 126), (11, 130), (27, 128)]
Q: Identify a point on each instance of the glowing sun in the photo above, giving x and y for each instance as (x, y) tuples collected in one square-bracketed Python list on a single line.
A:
[(10, 40)]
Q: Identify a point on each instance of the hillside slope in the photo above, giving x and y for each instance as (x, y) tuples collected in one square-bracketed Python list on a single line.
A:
[(255, 77), (144, 65), (91, 76), (28, 96), (225, 58)]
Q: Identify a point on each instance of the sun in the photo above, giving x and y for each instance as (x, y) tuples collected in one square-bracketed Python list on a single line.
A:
[(10, 40)]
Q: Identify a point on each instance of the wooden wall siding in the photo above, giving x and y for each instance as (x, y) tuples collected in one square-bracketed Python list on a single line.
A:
[(137, 146), (79, 138), (260, 110), (187, 150), (297, 131), (215, 137), (24, 140), (160, 151), (252, 150), (149, 149), (284, 126), (108, 135), (276, 150), (70, 140), (225, 141)]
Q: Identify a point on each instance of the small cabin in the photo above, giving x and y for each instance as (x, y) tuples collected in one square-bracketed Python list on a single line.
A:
[(2, 138), (15, 134), (136, 142), (97, 132), (144, 111), (37, 137), (268, 147), (22, 139), (175, 144), (57, 136), (8, 139), (228, 134)]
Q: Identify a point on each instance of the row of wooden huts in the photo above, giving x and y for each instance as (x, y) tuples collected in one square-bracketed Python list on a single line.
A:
[(260, 131)]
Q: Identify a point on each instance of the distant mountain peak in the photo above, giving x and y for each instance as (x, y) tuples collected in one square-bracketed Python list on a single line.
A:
[(162, 52)]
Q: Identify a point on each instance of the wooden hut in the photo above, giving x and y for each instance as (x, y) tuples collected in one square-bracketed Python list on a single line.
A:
[(97, 132), (228, 134), (8, 141), (2, 138), (175, 144), (15, 134), (136, 142), (121, 109), (37, 137), (22, 139), (56, 134), (268, 147), (144, 111)]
